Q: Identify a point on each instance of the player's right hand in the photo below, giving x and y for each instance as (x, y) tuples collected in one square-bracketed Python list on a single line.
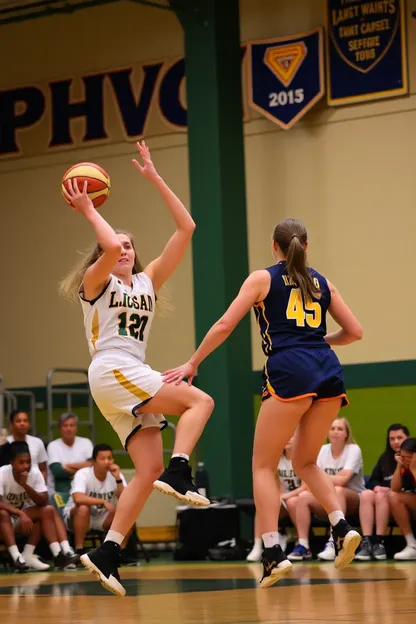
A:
[(177, 375), (26, 523), (110, 508), (78, 200)]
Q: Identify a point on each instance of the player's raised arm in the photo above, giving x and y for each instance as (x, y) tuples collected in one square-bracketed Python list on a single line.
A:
[(162, 267), (351, 330), (98, 274), (254, 289)]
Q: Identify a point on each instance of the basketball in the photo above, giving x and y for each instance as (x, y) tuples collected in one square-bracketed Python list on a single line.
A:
[(98, 180)]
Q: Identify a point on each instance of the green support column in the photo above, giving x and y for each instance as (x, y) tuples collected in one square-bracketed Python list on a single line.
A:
[(220, 255)]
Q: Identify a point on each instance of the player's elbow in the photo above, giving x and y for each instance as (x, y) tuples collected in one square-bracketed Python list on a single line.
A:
[(356, 332), (115, 248)]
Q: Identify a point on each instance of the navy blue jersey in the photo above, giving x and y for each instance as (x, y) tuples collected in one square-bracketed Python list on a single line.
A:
[(285, 319)]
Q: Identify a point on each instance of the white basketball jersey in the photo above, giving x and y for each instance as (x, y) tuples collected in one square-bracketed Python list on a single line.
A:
[(287, 475), (121, 317)]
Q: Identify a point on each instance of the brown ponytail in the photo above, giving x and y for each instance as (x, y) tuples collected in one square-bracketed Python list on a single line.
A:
[(291, 236)]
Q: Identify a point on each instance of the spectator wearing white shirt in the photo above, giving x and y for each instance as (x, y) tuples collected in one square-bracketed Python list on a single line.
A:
[(342, 460), (20, 426), (94, 495), (67, 455), (24, 509)]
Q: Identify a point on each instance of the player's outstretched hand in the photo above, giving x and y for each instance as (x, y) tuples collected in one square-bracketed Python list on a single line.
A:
[(76, 198), (148, 169), (177, 375)]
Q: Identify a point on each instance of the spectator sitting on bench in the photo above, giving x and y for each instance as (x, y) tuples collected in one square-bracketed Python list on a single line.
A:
[(375, 501), (24, 509), (403, 497), (291, 487), (19, 426), (342, 460), (66, 455), (94, 494)]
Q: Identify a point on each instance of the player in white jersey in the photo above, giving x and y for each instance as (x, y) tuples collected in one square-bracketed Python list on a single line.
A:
[(118, 299), (94, 496), (24, 509)]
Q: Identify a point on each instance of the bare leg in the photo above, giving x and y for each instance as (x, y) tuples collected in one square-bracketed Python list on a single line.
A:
[(60, 527), (6, 529), (382, 504), (276, 424), (367, 508), (80, 518), (46, 515), (146, 451), (349, 499), (307, 504), (194, 406), (401, 504), (309, 438)]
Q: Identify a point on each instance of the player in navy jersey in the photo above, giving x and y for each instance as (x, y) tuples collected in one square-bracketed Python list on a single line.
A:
[(303, 383)]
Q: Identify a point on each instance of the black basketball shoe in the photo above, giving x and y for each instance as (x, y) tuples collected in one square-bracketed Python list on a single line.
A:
[(177, 481), (104, 562), (275, 565), (346, 542)]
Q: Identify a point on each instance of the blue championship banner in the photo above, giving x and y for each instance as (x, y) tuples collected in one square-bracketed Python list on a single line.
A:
[(366, 50), (286, 76)]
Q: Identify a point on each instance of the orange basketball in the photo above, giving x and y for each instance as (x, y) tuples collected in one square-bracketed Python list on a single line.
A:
[(98, 180)]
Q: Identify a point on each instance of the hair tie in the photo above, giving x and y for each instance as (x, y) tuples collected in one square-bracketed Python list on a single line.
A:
[(294, 236)]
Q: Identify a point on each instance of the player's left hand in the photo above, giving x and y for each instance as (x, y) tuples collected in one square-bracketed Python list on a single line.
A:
[(148, 169), (177, 375)]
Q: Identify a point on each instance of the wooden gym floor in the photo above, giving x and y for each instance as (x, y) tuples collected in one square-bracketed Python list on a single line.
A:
[(208, 593)]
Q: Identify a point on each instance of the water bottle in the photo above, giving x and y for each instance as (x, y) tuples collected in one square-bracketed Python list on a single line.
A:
[(202, 480)]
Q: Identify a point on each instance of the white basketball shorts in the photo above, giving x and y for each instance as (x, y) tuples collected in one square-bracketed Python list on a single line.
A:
[(120, 384)]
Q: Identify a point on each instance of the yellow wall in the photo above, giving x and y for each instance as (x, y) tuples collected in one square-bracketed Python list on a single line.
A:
[(346, 172)]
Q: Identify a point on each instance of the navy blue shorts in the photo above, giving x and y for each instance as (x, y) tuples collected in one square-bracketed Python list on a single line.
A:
[(297, 373)]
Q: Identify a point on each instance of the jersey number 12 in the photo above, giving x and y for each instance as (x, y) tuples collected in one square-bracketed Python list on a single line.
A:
[(135, 327), (310, 312)]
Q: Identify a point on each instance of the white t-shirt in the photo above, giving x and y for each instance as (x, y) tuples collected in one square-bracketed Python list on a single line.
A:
[(36, 448), (87, 483), (287, 476), (61, 453), (15, 494), (350, 459)]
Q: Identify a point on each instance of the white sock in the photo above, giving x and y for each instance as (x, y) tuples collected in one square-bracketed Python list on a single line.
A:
[(410, 540), (28, 551), (183, 455), (14, 551), (66, 548), (55, 548), (258, 544), (335, 516), (113, 536), (270, 539), (304, 542)]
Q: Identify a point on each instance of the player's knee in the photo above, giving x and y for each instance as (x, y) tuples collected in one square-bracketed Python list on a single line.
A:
[(207, 402), (395, 498), (378, 497), (83, 510), (4, 516), (367, 496), (155, 471), (48, 511)]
